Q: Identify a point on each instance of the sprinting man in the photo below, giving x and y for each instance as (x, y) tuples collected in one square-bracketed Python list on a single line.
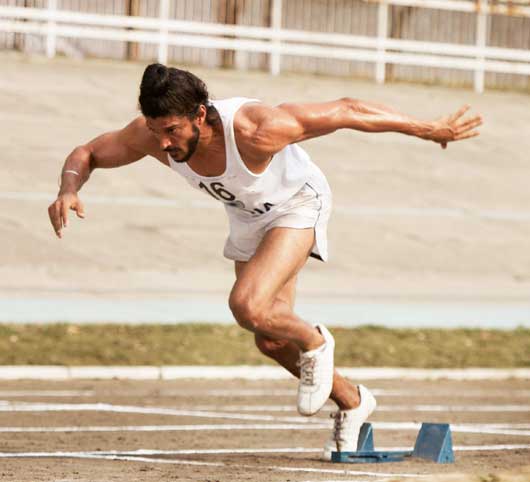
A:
[(245, 154)]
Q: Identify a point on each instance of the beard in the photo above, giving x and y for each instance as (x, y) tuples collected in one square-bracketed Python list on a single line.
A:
[(192, 144)]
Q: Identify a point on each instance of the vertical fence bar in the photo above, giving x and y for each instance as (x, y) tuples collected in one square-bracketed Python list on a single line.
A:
[(51, 35), (382, 32), (481, 38), (132, 9), (163, 34), (276, 26)]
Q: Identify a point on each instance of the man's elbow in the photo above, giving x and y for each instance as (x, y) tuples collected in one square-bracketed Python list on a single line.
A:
[(351, 104), (83, 155)]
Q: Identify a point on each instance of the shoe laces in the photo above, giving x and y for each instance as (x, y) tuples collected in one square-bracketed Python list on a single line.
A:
[(307, 367), (338, 423)]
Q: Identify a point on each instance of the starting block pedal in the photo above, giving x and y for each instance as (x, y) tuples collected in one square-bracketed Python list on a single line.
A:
[(433, 443)]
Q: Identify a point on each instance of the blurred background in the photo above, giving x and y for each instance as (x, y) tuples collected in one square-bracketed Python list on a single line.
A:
[(419, 236)]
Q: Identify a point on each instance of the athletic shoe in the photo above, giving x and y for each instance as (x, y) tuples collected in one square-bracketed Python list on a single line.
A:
[(347, 425), (316, 375)]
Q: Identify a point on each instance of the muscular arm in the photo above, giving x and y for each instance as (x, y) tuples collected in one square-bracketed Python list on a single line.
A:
[(266, 130), (112, 149)]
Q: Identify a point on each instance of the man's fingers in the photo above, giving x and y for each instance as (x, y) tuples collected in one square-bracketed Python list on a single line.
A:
[(466, 135), (55, 217), (79, 209), (64, 214), (459, 113), (470, 124)]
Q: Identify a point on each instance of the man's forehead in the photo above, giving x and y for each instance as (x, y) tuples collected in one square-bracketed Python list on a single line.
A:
[(164, 122)]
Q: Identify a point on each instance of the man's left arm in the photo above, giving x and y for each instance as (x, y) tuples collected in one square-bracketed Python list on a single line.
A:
[(371, 117), (275, 127)]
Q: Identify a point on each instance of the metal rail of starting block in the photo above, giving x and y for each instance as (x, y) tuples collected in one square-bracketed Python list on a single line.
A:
[(433, 443)]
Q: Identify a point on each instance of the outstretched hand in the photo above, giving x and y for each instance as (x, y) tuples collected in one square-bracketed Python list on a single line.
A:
[(58, 211), (454, 127)]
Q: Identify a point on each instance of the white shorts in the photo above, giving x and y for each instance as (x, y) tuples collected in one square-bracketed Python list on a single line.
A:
[(308, 208)]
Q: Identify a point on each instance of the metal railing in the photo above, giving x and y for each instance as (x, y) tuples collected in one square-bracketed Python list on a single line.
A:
[(275, 41)]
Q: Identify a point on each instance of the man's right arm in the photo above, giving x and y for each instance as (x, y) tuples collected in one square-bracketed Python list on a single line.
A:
[(112, 149)]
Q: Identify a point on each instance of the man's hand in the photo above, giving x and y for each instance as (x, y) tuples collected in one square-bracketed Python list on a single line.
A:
[(454, 128), (58, 211)]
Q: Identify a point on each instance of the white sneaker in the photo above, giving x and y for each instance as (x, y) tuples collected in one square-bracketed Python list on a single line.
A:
[(316, 375), (348, 424)]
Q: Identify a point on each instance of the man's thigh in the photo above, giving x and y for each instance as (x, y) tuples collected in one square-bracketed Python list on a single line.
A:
[(272, 270)]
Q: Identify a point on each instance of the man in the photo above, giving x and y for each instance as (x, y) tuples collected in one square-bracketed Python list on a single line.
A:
[(245, 154)]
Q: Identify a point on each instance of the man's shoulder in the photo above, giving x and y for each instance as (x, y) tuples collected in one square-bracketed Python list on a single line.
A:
[(136, 131), (251, 115), (138, 137)]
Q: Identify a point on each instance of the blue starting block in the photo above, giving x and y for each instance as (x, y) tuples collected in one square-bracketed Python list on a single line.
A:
[(433, 443)]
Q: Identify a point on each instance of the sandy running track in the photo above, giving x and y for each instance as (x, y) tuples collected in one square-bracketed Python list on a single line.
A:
[(235, 430), (411, 221)]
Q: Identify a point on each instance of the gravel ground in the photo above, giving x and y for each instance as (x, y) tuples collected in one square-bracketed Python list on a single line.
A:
[(247, 415)]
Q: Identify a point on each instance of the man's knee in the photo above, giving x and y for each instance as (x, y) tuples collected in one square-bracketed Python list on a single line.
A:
[(267, 346), (248, 310)]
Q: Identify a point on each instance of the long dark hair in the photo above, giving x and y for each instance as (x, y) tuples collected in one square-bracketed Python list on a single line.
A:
[(170, 91)]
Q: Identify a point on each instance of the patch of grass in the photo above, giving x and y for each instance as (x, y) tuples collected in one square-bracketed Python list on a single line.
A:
[(202, 344)]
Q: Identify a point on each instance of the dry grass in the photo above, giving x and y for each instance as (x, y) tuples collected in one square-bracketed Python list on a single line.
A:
[(201, 344)]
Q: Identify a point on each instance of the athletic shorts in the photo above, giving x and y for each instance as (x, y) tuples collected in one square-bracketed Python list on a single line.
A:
[(310, 207)]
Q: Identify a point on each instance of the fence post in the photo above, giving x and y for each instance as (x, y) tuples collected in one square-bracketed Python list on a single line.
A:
[(132, 9), (480, 41), (51, 34), (382, 32), (163, 34), (276, 26)]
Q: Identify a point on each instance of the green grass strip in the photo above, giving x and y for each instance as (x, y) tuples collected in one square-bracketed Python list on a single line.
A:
[(202, 344)]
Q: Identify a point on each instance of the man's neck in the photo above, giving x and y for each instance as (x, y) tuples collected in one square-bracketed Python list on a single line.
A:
[(210, 157)]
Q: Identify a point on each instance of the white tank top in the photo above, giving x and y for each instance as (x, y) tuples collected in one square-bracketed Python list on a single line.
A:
[(246, 195)]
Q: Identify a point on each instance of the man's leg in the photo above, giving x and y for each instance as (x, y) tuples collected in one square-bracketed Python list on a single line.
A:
[(279, 257), (285, 351), (262, 301)]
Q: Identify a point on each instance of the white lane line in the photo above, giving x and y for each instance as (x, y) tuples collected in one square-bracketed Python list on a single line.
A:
[(7, 406), (457, 448), (146, 452), (364, 211), (461, 428), (205, 411), (251, 392), (480, 448), (380, 408), (260, 372), (92, 455), (164, 428), (253, 467), (47, 393), (275, 468), (245, 451)]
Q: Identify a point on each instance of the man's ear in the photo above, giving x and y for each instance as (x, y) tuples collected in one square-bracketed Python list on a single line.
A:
[(201, 115)]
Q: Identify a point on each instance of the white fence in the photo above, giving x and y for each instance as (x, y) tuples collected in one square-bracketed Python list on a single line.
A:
[(380, 50)]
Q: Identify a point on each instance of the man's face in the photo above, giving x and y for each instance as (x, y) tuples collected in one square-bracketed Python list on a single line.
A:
[(176, 135)]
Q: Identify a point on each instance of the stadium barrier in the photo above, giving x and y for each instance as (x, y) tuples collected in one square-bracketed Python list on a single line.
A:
[(162, 31)]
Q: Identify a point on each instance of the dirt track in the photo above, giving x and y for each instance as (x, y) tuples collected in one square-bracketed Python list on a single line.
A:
[(461, 228), (237, 403)]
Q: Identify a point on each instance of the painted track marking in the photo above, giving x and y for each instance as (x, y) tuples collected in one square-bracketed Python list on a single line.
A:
[(236, 451), (250, 392), (380, 408), (458, 428), (91, 455), (363, 211)]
